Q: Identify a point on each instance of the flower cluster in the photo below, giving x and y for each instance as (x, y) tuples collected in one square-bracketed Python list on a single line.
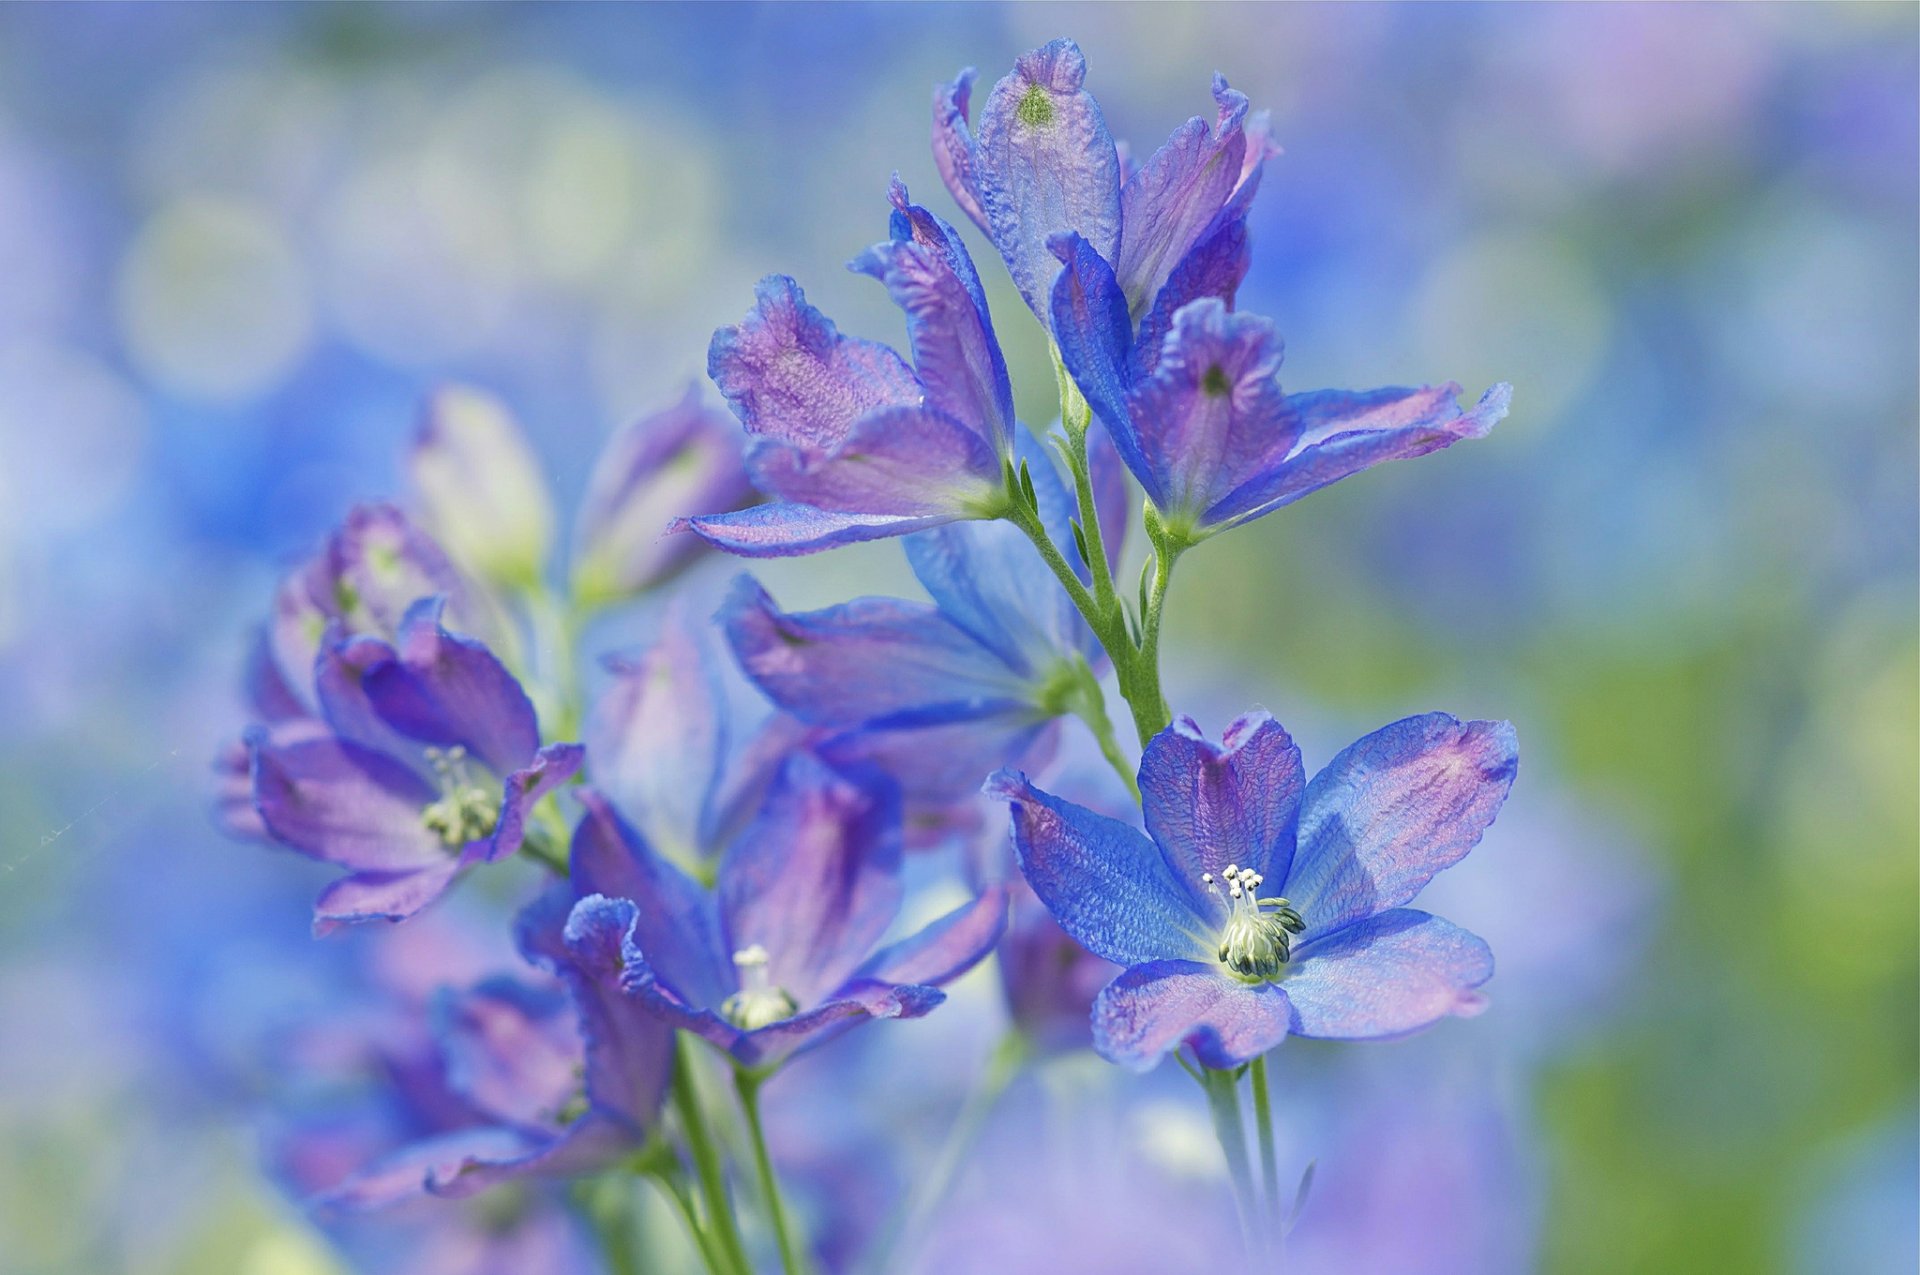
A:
[(734, 873)]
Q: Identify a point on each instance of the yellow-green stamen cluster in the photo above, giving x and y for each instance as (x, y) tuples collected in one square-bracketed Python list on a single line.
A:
[(466, 811), (1256, 943), (758, 1003)]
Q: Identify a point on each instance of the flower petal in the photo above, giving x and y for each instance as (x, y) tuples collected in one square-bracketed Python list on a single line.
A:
[(1393, 809), (946, 948), (589, 1145), (449, 690), (344, 804), (677, 927), (1210, 805), (1386, 975), (816, 879), (1212, 415), (403, 1175), (872, 661), (906, 460), (1090, 326), (1105, 883), (658, 739), (927, 271), (511, 1049), (384, 896), (944, 764), (1171, 202), (953, 150), (1213, 267), (481, 487), (1349, 432), (784, 530), (790, 375), (521, 791), (1153, 1009), (629, 1053), (1045, 163)]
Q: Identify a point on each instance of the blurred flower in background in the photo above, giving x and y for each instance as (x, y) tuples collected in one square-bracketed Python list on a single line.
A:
[(241, 245)]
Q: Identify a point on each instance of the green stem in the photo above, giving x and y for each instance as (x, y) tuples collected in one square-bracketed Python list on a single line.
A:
[(1263, 1128), (711, 1256), (706, 1157), (1142, 689), (747, 1084), (1223, 1097), (1008, 1057), (609, 1208), (555, 631)]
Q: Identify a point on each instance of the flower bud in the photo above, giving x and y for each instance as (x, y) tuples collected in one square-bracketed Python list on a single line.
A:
[(480, 488)]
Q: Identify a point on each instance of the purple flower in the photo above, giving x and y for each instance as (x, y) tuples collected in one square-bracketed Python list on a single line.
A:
[(851, 442), (1199, 416), (680, 461), (937, 695), (1260, 905), (1043, 164), (430, 762), (780, 955)]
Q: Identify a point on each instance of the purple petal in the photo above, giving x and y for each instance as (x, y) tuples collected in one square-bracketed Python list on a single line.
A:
[(790, 375), (1214, 267), (953, 150), (927, 271), (788, 530), (450, 690), (1105, 883), (511, 1049), (1212, 415), (340, 683), (658, 739), (815, 880), (878, 661), (591, 1144), (378, 564), (1044, 164), (1349, 432), (676, 927), (629, 1053), (1050, 981), (269, 695), (683, 461), (384, 896), (522, 790), (1210, 805), (852, 1005), (944, 949), (481, 487), (905, 460), (1171, 202), (338, 802), (403, 1175), (1090, 326), (938, 766), (1153, 1009), (1393, 809), (1386, 975)]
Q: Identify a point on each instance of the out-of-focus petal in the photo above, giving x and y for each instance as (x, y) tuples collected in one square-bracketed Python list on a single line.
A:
[(522, 790), (449, 690), (1391, 810), (511, 1049), (344, 804), (946, 948), (1385, 976), (481, 488), (1153, 1009), (784, 530), (384, 896)]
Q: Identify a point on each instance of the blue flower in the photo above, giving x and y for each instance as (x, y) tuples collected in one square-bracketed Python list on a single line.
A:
[(1260, 905), (780, 955), (937, 695), (429, 762), (851, 442)]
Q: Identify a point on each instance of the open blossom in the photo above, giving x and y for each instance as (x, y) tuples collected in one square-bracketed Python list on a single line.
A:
[(429, 762), (780, 955), (1259, 905), (851, 442)]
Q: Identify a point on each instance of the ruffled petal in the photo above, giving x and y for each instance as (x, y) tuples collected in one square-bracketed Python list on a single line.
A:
[(1105, 883), (629, 1054), (384, 896), (1386, 976), (953, 150), (1171, 202), (1213, 267), (1210, 805), (1044, 164), (1152, 1010), (1393, 809), (521, 791), (852, 1005)]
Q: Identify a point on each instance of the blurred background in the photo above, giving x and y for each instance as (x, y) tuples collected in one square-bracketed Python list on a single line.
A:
[(238, 243)]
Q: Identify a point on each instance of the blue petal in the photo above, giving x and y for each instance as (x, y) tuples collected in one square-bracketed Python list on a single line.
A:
[(341, 803), (1153, 1009), (953, 149), (677, 926), (1044, 164), (522, 790), (1387, 975), (1214, 267), (940, 766), (1348, 432), (1172, 201), (386, 896), (404, 1174), (1105, 883), (815, 880), (1209, 806), (873, 661), (852, 1005), (512, 1050), (907, 460), (629, 1053), (1095, 338), (591, 1144), (927, 271), (944, 949), (450, 690), (785, 530), (1392, 810)]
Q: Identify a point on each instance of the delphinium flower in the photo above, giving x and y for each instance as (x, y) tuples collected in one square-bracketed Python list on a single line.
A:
[(431, 762), (1259, 905), (851, 442)]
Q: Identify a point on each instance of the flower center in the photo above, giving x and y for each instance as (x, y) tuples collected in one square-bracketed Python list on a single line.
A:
[(757, 1003), (1257, 941), (466, 811)]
